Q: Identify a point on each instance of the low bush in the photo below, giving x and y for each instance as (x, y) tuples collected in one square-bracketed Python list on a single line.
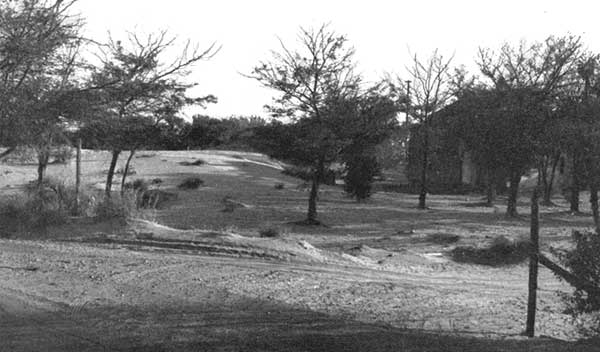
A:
[(153, 198), (269, 232), (279, 186), (156, 181), (501, 251), (583, 262), (197, 162), (118, 208), (191, 183), (61, 154)]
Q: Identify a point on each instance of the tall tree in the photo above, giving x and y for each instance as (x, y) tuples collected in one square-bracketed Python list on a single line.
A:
[(432, 89), (39, 60), (527, 79), (312, 81), (138, 86)]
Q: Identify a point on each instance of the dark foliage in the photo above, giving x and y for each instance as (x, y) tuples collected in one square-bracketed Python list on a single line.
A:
[(502, 251), (191, 183)]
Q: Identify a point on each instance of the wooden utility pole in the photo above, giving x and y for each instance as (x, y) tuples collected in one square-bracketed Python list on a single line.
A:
[(77, 176), (407, 120), (533, 263), (407, 103)]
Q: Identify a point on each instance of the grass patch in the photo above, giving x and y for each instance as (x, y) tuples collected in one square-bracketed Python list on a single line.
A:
[(191, 183), (154, 198), (501, 251), (269, 232), (145, 155), (442, 238), (197, 162)]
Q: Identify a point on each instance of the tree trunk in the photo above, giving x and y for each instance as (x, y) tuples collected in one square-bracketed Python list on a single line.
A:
[(490, 189), (126, 171), (513, 193), (111, 172), (574, 187), (533, 264), (425, 162), (548, 180), (77, 176), (311, 218), (43, 158), (594, 205)]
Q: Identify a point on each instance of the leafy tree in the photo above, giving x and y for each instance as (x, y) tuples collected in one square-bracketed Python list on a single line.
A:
[(312, 82), (371, 123), (137, 85), (527, 81), (39, 42)]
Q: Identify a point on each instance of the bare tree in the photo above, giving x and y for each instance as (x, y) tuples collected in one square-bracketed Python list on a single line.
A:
[(135, 85), (432, 89)]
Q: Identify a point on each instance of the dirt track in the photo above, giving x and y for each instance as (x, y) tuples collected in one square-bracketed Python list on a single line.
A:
[(80, 297)]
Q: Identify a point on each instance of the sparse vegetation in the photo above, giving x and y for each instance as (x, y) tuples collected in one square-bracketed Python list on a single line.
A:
[(442, 238), (154, 198), (119, 208), (269, 232), (191, 183), (501, 251), (197, 162)]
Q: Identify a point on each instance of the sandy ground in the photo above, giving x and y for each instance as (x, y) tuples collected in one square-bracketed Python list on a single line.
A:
[(369, 282)]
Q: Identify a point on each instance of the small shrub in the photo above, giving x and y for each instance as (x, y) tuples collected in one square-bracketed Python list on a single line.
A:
[(197, 162), (61, 154), (583, 261), (501, 251), (156, 181), (140, 185), (231, 204), (153, 198), (31, 211), (279, 186), (360, 173), (269, 232), (119, 208), (191, 183), (130, 171)]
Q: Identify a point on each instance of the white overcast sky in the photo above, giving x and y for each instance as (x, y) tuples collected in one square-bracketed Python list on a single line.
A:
[(381, 32)]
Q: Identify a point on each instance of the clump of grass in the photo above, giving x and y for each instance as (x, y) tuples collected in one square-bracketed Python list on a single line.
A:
[(279, 186), (269, 232), (156, 181), (442, 238), (197, 162), (153, 198), (501, 251), (119, 208), (191, 183), (138, 185), (130, 171), (50, 203), (145, 155)]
